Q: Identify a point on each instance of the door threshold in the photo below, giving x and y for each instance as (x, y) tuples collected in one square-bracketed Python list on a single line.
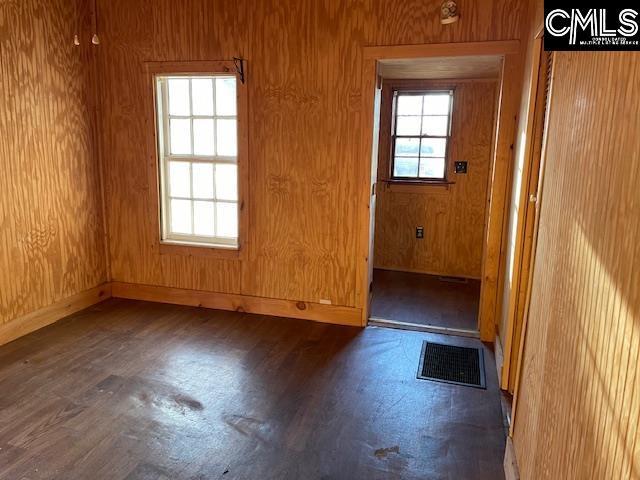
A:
[(460, 332)]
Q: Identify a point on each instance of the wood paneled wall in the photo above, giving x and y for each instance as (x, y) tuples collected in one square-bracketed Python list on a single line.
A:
[(51, 226), (453, 216), (578, 402), (304, 62)]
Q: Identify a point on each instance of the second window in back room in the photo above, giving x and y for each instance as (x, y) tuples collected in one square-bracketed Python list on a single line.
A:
[(420, 134)]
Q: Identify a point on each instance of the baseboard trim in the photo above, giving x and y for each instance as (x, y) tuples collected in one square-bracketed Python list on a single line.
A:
[(335, 314), (45, 316), (497, 348), (511, 471)]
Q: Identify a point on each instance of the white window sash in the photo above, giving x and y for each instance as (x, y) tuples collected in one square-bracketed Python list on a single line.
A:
[(165, 156)]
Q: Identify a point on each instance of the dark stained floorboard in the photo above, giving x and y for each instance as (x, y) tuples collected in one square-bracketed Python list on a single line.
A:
[(425, 300), (136, 390)]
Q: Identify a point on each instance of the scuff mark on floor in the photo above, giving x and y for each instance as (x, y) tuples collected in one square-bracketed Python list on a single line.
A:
[(384, 452), (248, 426), (188, 402)]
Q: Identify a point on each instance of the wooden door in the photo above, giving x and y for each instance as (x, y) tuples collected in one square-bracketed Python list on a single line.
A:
[(528, 211), (374, 177)]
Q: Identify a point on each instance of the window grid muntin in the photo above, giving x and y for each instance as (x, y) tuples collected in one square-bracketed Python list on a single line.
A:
[(420, 93), (164, 140)]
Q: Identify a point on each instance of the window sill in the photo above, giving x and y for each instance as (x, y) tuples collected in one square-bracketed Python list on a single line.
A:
[(421, 186), (199, 250)]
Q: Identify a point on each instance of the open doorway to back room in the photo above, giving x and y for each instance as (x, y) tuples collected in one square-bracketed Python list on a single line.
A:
[(437, 125)]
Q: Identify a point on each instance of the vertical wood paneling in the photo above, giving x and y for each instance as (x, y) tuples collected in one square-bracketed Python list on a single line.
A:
[(453, 216), (304, 63), (51, 240), (577, 405)]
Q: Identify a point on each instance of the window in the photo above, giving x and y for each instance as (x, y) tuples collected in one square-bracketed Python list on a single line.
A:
[(197, 131), (420, 134)]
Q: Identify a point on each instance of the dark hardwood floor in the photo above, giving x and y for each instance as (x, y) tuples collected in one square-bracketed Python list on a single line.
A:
[(425, 300), (136, 390)]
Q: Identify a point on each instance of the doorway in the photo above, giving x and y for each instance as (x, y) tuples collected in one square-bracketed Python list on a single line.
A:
[(437, 184), (434, 158)]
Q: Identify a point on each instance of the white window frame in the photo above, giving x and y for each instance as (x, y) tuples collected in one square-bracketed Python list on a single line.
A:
[(447, 138), (165, 156)]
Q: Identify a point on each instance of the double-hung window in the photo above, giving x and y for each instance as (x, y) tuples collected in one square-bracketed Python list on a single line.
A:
[(421, 130), (197, 132)]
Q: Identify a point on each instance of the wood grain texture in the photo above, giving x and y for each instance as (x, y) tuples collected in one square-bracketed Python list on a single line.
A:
[(532, 219), (493, 267), (442, 48), (481, 66), (52, 313), (578, 401), (523, 212), (240, 303), (51, 223), (453, 216), (306, 117)]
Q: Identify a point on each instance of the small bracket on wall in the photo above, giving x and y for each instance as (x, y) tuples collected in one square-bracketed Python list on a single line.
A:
[(461, 167), (239, 63)]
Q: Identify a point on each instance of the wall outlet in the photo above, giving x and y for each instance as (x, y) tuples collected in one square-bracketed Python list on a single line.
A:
[(461, 167), (419, 232)]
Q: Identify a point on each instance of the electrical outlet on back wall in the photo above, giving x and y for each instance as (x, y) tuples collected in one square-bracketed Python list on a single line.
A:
[(419, 232)]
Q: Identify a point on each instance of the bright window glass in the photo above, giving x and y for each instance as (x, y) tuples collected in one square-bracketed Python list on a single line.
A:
[(198, 145), (421, 130)]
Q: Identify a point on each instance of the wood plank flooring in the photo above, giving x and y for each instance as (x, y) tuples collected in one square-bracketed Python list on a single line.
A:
[(136, 390), (425, 300)]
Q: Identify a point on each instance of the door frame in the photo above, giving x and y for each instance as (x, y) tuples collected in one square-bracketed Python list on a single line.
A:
[(502, 160), (527, 302), (528, 205)]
